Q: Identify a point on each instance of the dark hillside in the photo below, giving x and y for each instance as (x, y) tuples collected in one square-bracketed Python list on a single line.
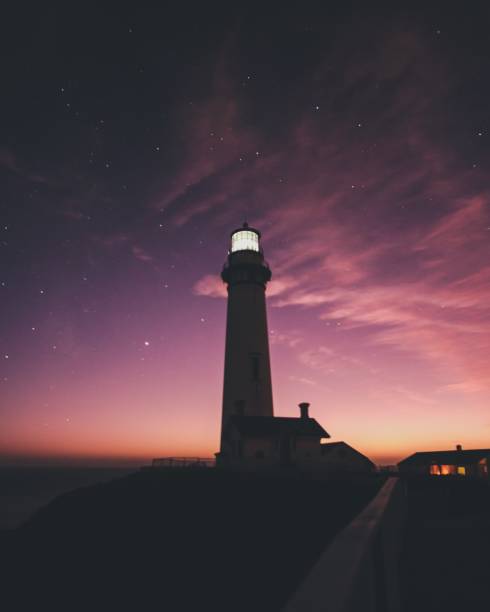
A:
[(177, 540)]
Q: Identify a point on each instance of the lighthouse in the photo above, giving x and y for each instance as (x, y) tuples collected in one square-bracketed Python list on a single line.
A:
[(247, 388)]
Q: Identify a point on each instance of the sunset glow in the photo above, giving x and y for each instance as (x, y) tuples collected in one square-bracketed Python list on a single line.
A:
[(367, 176)]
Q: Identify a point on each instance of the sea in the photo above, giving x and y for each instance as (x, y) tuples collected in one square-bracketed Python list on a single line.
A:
[(23, 490)]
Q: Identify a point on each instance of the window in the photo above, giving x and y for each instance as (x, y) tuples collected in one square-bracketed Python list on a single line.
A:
[(244, 240), (461, 470), (435, 470)]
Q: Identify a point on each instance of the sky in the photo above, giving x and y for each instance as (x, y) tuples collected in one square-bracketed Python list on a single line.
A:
[(134, 140)]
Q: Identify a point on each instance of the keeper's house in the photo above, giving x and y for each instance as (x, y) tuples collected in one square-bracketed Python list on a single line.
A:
[(459, 462), (294, 442)]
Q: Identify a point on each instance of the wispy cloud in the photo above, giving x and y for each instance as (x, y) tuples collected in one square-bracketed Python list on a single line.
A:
[(141, 254), (210, 285), (303, 380), (372, 221)]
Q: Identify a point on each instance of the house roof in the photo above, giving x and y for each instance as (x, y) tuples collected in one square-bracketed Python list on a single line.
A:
[(330, 446), (453, 457), (258, 426)]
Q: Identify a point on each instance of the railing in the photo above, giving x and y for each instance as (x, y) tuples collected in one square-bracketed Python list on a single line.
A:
[(182, 462), (358, 572)]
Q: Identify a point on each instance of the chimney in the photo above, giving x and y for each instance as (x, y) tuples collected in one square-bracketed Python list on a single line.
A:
[(459, 447), (304, 410)]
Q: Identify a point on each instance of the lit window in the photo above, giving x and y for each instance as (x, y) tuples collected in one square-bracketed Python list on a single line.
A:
[(244, 241), (434, 470), (461, 470)]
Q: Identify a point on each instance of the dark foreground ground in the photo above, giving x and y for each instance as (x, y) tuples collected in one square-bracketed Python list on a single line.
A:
[(446, 558), (176, 540)]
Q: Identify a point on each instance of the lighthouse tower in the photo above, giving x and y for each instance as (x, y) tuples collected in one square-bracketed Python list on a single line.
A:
[(247, 389)]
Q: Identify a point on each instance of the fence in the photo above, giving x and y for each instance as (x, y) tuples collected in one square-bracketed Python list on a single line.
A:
[(183, 462)]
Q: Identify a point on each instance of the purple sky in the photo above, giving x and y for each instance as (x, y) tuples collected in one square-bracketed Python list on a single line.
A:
[(357, 144)]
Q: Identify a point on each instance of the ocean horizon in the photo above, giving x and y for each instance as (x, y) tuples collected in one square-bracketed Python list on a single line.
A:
[(24, 490)]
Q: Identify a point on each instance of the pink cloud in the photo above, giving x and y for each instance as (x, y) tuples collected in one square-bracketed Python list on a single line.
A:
[(290, 338), (141, 254), (210, 285)]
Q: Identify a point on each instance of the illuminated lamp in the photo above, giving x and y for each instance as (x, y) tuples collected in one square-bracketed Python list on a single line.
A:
[(245, 239)]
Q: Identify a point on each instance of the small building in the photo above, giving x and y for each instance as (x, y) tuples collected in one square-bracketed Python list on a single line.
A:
[(459, 462), (341, 457)]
